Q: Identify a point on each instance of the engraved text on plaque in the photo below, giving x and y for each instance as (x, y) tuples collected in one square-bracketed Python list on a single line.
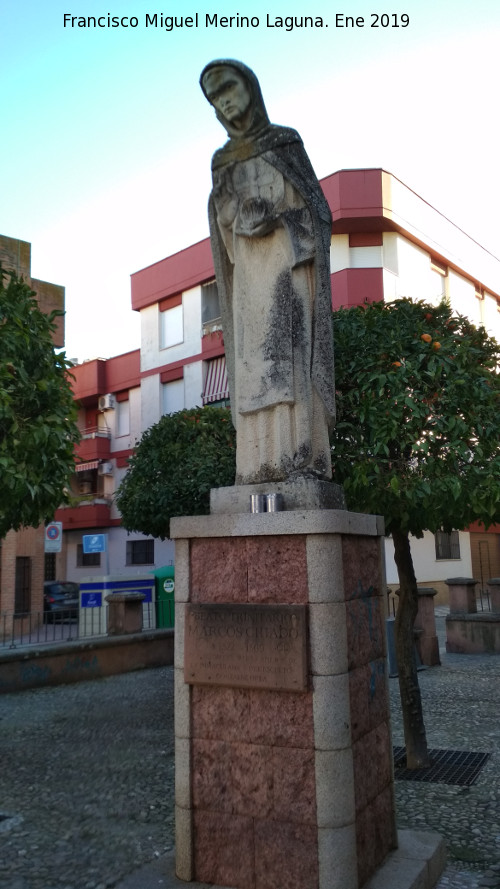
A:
[(246, 646)]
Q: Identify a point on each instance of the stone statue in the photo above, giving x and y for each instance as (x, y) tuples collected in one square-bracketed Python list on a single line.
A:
[(270, 228)]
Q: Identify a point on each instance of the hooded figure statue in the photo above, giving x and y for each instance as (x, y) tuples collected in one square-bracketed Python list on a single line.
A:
[(270, 229)]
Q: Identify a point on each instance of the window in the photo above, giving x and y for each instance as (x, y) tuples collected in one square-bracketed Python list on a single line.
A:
[(88, 480), (439, 277), (366, 257), (50, 566), (140, 552), (447, 545), (22, 594), (122, 417), (172, 397), (172, 327), (210, 309), (86, 560)]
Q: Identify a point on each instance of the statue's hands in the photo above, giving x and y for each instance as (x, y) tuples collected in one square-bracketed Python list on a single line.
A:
[(256, 218)]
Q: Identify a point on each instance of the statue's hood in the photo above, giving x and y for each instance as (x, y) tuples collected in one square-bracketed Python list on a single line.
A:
[(259, 120)]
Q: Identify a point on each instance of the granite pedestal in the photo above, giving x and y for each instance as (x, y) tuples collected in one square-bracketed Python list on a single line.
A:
[(282, 786)]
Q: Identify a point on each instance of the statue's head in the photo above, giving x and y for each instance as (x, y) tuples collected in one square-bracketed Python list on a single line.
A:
[(234, 92)]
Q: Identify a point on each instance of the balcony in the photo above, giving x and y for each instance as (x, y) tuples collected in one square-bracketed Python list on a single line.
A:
[(95, 444), (87, 511), (212, 343), (89, 381)]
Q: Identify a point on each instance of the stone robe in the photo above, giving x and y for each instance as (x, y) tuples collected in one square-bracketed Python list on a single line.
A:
[(270, 229)]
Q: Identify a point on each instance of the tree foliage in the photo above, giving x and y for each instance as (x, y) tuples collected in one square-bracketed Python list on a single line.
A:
[(176, 463), (417, 441), (37, 412), (418, 432)]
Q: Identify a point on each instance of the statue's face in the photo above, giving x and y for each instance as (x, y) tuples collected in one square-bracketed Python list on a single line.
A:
[(228, 92)]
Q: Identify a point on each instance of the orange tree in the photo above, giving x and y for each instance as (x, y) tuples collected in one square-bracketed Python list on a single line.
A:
[(37, 413), (417, 440), (176, 463)]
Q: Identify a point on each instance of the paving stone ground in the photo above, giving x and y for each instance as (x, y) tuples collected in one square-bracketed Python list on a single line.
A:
[(87, 771), (461, 702), (86, 779)]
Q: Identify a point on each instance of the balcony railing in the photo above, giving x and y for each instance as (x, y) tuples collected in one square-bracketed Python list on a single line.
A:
[(95, 432), (85, 511), (95, 444)]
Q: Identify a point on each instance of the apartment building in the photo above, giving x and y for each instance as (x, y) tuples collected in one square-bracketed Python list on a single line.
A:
[(108, 393), (387, 242)]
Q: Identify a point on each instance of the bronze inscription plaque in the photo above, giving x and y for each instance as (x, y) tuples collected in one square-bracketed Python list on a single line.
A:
[(246, 646)]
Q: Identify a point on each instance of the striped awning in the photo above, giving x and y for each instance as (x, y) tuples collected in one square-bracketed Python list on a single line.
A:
[(216, 388), (82, 467)]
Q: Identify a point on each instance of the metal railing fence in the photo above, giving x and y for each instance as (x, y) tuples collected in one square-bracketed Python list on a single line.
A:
[(18, 629)]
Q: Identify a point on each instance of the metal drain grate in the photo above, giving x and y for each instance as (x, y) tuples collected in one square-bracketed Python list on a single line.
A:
[(447, 767)]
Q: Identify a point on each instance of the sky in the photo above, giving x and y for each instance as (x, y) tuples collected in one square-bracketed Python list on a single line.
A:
[(106, 138)]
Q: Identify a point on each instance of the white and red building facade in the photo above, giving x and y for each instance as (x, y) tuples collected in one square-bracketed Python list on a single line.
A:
[(108, 393), (387, 242)]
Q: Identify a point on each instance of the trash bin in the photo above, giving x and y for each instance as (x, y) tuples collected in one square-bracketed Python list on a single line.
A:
[(390, 636), (165, 585)]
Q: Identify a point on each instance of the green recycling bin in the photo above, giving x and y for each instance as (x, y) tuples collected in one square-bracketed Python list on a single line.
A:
[(165, 585)]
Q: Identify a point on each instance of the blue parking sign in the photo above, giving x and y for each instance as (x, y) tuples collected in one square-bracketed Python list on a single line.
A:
[(94, 543), (91, 600)]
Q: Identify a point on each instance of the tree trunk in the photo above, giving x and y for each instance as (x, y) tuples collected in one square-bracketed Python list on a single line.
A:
[(417, 755)]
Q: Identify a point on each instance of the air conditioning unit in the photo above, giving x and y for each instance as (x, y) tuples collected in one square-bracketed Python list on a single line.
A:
[(105, 468), (106, 402)]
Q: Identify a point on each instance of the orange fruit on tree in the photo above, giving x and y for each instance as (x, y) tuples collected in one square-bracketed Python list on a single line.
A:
[(426, 337), (436, 346)]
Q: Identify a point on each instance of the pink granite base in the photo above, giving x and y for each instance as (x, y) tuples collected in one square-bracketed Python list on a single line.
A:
[(371, 833), (253, 751), (256, 805), (253, 760), (224, 849), (249, 569), (286, 848)]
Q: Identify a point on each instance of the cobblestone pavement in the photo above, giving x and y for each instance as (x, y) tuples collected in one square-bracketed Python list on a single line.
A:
[(461, 703), (85, 770), (86, 774)]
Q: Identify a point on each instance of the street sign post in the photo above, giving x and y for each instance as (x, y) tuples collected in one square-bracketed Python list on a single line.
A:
[(53, 537)]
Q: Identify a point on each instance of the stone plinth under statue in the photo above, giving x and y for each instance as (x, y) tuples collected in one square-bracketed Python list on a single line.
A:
[(286, 782)]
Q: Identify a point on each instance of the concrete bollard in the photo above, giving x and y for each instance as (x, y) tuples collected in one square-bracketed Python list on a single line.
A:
[(427, 643), (124, 613), (462, 592)]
